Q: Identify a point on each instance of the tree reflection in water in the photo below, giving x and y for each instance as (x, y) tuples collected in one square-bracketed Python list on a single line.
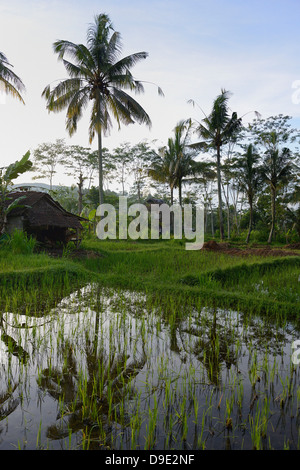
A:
[(99, 352)]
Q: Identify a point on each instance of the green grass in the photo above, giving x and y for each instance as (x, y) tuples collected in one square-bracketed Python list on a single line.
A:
[(126, 329), (167, 271)]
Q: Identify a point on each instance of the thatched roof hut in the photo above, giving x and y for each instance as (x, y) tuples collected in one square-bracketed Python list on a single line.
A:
[(42, 217)]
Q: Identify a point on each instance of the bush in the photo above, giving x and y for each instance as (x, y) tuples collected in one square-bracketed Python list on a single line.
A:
[(20, 243)]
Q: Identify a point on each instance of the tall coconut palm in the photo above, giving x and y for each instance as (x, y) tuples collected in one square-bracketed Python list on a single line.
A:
[(9, 81), (97, 76), (216, 130)]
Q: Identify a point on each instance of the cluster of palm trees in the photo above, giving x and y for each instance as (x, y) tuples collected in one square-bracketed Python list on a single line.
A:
[(176, 162), (99, 77)]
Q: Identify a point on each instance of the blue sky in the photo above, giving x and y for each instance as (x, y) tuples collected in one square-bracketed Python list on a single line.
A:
[(195, 48)]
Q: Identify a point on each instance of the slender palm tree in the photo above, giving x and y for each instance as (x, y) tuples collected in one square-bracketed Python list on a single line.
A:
[(98, 76), (11, 83), (249, 179), (216, 130), (184, 154), (162, 167), (175, 162), (277, 170)]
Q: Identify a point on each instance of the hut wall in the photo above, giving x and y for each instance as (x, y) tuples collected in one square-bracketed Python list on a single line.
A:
[(15, 223)]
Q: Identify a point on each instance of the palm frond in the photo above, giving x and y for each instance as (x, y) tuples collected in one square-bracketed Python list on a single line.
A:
[(12, 84), (126, 63), (76, 71), (60, 96), (77, 52), (114, 48), (11, 90), (132, 106)]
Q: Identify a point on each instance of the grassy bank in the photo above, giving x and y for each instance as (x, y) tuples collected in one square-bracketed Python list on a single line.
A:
[(165, 270)]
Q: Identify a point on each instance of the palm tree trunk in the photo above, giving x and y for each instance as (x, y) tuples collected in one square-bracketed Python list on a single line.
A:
[(180, 193), (273, 211), (220, 194), (101, 197), (171, 189)]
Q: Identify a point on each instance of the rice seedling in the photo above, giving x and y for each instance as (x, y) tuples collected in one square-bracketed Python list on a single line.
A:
[(148, 366)]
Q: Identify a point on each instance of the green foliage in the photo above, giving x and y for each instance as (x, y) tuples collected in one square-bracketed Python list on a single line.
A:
[(7, 175), (19, 243), (47, 157)]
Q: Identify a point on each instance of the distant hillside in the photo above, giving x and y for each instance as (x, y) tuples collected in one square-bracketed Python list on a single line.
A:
[(35, 186)]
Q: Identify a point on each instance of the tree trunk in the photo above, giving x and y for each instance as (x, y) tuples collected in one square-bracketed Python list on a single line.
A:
[(212, 222), (171, 189), (228, 222), (180, 193), (205, 217), (273, 211), (123, 181), (80, 186), (250, 220), (101, 197), (220, 194)]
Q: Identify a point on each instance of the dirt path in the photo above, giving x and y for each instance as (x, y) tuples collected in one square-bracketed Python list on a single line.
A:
[(256, 250)]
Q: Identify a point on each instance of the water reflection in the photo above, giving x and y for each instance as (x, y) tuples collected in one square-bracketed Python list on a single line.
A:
[(106, 371)]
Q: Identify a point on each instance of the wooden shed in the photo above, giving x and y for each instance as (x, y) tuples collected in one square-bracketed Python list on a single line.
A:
[(43, 218)]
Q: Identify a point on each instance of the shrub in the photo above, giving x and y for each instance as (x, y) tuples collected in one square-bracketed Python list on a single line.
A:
[(20, 243)]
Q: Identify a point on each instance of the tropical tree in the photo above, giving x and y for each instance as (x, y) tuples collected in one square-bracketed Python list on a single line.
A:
[(162, 167), (277, 142), (11, 83), (217, 129), (184, 154), (122, 156), (97, 76), (7, 175), (249, 179), (175, 162), (47, 157), (277, 170), (78, 162), (206, 176)]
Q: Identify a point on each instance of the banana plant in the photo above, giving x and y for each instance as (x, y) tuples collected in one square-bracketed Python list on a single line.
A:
[(7, 175)]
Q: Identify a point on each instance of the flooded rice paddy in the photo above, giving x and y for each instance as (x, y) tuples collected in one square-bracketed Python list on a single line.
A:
[(104, 370)]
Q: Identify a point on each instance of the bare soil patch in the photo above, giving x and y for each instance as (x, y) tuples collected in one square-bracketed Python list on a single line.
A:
[(262, 251)]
